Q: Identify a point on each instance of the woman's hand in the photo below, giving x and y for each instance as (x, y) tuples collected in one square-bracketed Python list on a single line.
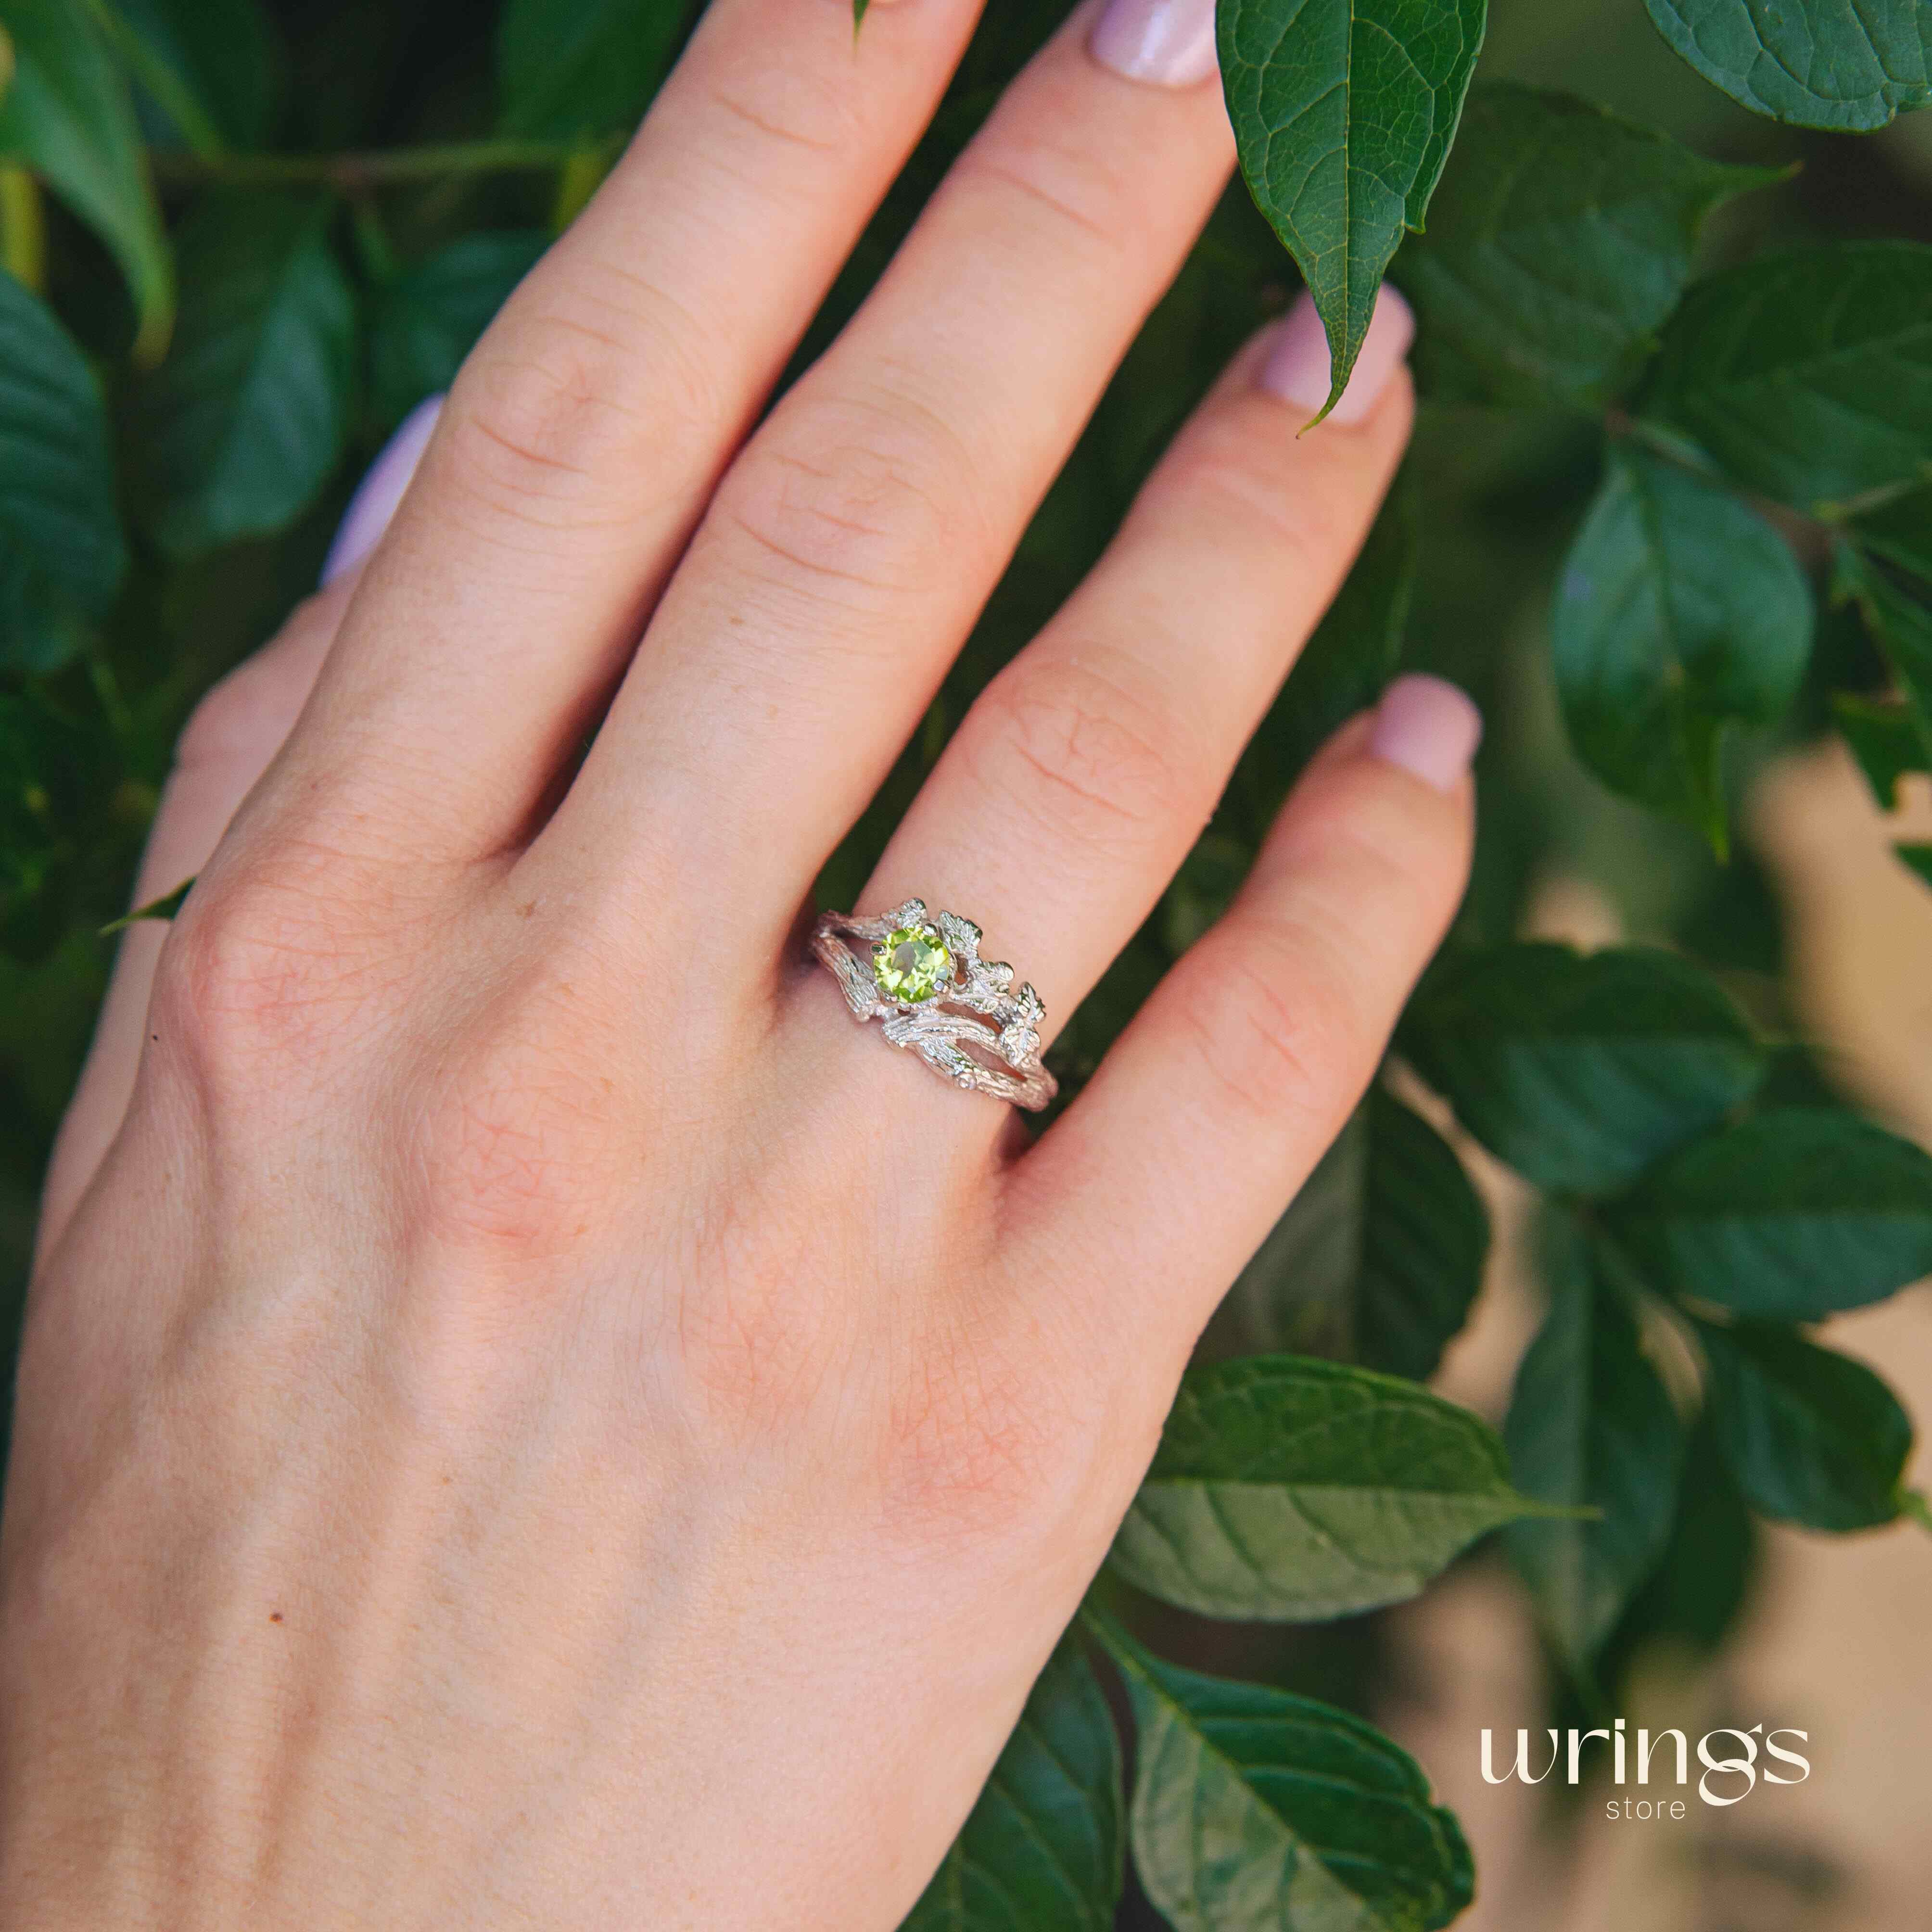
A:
[(529, 1415)]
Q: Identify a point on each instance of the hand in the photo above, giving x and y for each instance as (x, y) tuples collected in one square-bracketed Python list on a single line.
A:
[(530, 1415)]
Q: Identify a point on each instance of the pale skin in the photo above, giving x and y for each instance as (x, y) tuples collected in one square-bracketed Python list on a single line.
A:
[(502, 1440)]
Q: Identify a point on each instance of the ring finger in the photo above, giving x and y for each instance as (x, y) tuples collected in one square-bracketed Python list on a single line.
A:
[(1075, 785)]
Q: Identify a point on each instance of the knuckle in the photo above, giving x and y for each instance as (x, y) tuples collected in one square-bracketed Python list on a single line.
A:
[(1238, 475), (1101, 766), (1269, 1056), (975, 1435), (553, 411), (858, 501), (252, 985), (791, 108), (1077, 189)]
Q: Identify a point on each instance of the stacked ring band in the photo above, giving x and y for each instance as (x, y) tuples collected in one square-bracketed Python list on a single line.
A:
[(921, 975)]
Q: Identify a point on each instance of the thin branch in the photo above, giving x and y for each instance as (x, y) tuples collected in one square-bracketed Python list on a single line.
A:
[(374, 168)]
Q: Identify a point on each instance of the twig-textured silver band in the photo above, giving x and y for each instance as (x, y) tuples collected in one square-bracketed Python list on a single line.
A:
[(961, 1014)]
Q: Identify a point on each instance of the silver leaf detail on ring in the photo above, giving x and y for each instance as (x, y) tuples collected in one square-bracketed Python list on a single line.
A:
[(920, 975)]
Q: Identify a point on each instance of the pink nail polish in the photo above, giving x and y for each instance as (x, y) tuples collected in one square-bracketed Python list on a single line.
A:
[(1298, 368), (1429, 726), (378, 493), (1170, 43)]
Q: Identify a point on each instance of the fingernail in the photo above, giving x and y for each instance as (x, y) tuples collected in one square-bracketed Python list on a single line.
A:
[(378, 493), (1298, 369), (1429, 727), (1168, 42)]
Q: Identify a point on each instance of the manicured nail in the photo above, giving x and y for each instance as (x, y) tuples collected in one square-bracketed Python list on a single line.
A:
[(378, 493), (1429, 727), (1168, 42), (1298, 369)]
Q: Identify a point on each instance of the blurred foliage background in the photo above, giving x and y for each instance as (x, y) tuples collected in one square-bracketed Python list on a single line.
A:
[(417, 251)]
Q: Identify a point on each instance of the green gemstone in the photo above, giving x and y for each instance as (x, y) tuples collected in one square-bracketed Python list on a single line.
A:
[(911, 964)]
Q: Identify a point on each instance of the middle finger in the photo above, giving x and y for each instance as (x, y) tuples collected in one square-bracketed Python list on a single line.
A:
[(848, 551)]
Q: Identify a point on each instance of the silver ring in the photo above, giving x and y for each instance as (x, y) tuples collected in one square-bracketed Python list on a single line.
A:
[(922, 976)]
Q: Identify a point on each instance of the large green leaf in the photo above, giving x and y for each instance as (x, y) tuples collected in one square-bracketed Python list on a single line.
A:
[(1792, 1215), (212, 68), (1256, 1811), (428, 319), (1590, 1426), (1901, 627), (1344, 667), (1343, 112), (1845, 64), (1581, 1068), (1680, 613), (1043, 1846), (1812, 1436), (1886, 741), (1380, 1255), (1293, 1488), (67, 115), (1560, 239), (566, 68), (61, 548), (1807, 375), (240, 428)]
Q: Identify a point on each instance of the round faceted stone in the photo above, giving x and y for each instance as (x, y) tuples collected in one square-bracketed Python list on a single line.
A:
[(911, 964)]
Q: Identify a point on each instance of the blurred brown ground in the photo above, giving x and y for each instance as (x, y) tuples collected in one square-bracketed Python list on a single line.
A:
[(1835, 1641)]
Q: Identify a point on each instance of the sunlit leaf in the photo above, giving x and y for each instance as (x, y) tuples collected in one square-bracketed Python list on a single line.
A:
[(1293, 1489)]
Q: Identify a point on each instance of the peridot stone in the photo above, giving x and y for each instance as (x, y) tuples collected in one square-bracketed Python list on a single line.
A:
[(911, 964)]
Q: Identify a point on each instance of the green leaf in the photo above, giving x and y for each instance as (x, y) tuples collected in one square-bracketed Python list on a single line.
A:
[(68, 117), (1918, 857), (1900, 626), (1791, 1215), (428, 319), (1807, 374), (1885, 740), (1700, 1587), (212, 67), (1043, 1846), (1356, 650), (241, 426), (1590, 1426), (1295, 1489), (165, 907), (570, 68), (1380, 1255), (1812, 1436), (1579, 1069), (1680, 613), (1343, 112), (1252, 1808), (1900, 530), (1560, 239), (60, 546), (1848, 65)]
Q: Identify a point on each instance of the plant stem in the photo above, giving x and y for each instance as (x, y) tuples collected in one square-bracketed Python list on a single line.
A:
[(373, 168), (23, 228)]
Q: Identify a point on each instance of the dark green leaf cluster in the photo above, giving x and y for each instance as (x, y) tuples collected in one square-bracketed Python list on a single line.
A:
[(1691, 1203)]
